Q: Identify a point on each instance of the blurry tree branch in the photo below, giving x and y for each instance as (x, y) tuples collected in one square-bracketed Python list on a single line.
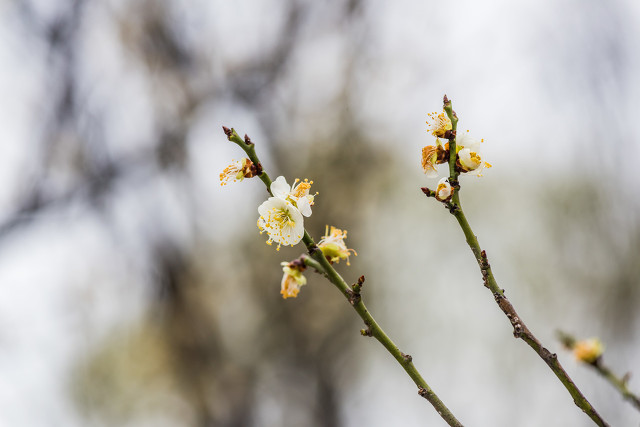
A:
[(216, 388), (598, 365)]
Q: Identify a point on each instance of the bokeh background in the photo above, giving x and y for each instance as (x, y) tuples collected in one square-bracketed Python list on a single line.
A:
[(136, 291)]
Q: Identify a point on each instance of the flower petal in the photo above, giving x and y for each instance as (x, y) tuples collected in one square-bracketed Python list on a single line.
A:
[(280, 188), (304, 206)]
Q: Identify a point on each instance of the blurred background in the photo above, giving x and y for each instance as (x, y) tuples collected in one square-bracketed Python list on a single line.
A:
[(138, 292)]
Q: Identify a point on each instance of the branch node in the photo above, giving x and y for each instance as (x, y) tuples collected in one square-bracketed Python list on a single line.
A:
[(227, 131), (453, 208), (256, 169), (407, 357), (424, 392), (366, 332), (247, 140), (354, 297), (450, 134), (499, 298), (517, 330)]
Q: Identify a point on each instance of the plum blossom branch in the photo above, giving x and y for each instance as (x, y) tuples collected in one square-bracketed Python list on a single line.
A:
[(332, 249), (590, 352), (470, 161)]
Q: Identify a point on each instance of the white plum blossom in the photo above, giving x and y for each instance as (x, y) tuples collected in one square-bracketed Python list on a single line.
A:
[(281, 220), (469, 154), (281, 216), (297, 194), (439, 124)]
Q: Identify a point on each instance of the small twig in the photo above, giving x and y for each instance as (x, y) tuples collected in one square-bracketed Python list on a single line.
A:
[(598, 365)]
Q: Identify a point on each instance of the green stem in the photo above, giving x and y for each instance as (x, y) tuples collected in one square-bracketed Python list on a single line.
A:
[(520, 330), (249, 148), (322, 265), (453, 153)]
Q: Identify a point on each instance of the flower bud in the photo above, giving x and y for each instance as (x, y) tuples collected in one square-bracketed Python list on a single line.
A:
[(588, 351)]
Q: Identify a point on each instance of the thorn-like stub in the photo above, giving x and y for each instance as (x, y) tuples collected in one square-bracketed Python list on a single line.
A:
[(445, 100), (247, 140), (625, 378), (227, 131), (407, 357), (356, 287)]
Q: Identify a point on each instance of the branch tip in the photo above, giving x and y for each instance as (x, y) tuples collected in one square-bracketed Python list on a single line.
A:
[(428, 192), (227, 131)]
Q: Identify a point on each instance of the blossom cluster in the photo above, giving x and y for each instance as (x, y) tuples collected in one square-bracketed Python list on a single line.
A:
[(333, 248), (281, 216), (468, 159)]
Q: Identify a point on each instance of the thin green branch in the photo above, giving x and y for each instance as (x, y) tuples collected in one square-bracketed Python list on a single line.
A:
[(520, 330), (453, 152), (249, 148), (318, 261), (374, 330), (598, 365)]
